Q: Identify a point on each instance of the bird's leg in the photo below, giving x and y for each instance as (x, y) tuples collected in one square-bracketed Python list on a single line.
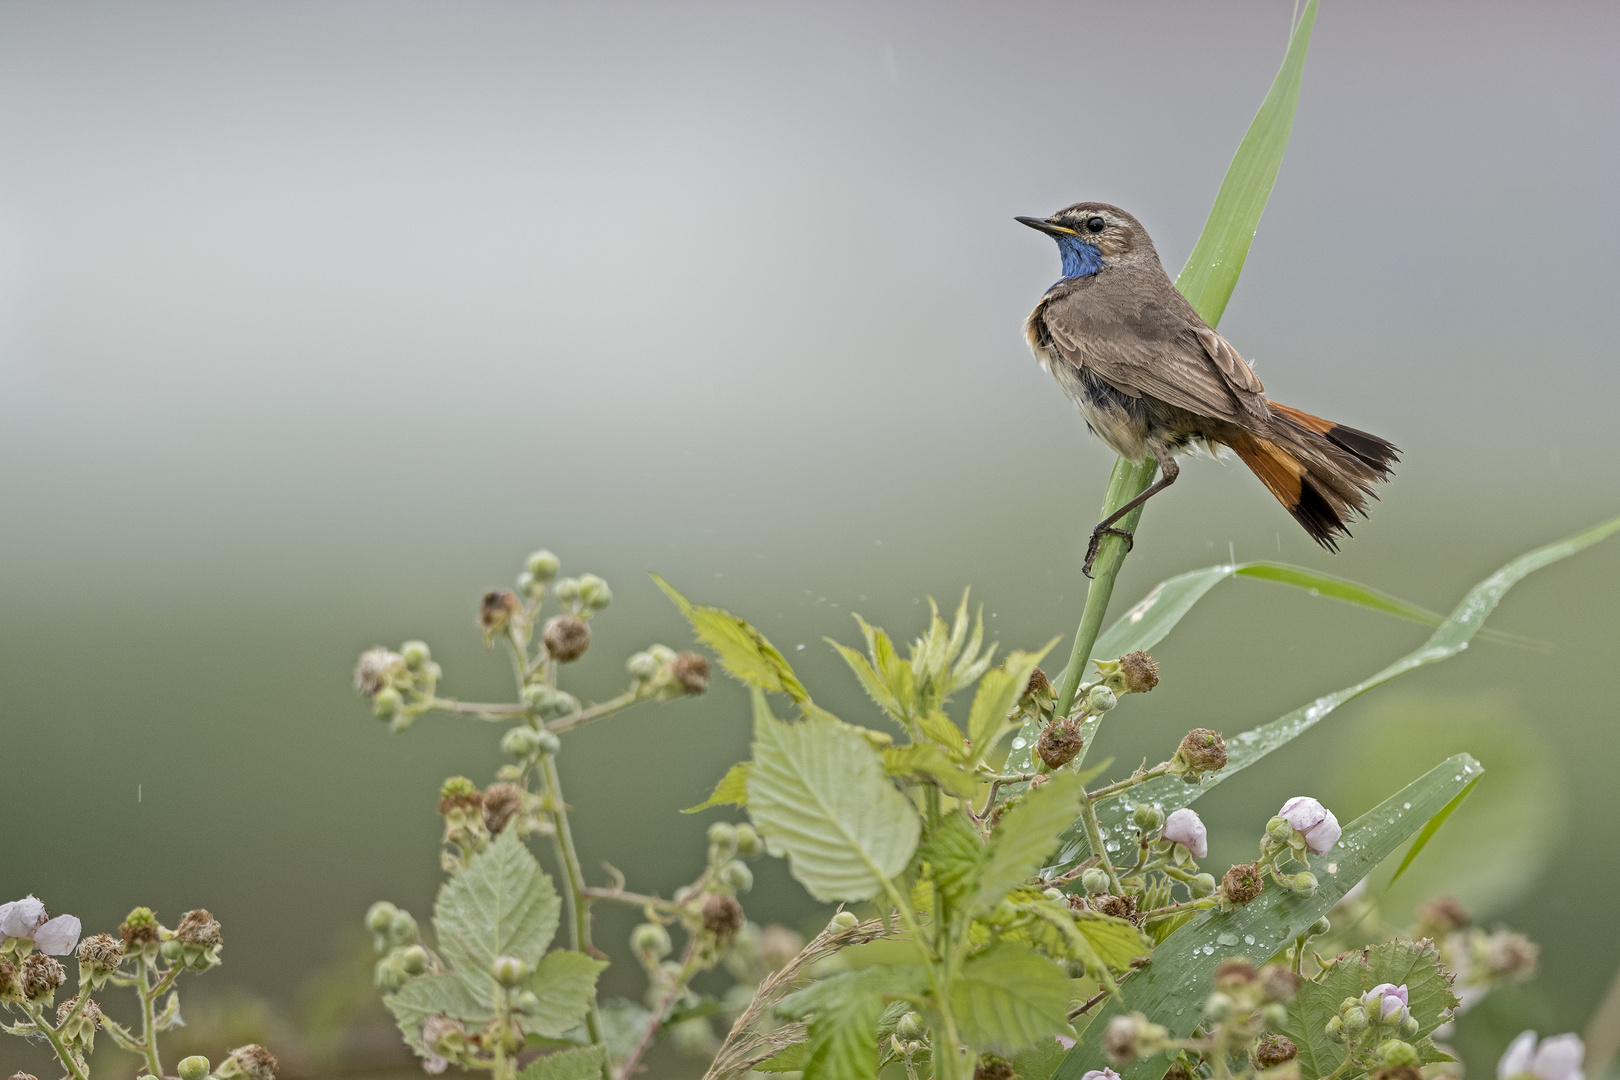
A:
[(1105, 527)]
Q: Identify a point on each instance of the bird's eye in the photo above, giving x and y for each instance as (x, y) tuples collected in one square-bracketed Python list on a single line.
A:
[(1095, 224)]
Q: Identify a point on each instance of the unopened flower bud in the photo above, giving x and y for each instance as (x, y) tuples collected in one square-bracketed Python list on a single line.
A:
[(502, 802), (172, 950), (722, 915), (642, 666), (1242, 883), (910, 1026), (522, 741), (530, 586), (1304, 884), (566, 590), (1396, 1052), (1202, 750), (509, 970), (402, 930), (1100, 700), (1186, 828), (1053, 894), (737, 875), (1321, 926), (195, 1067), (1059, 742), (652, 940), (1202, 885), (1274, 1014), (1274, 1050), (1313, 821), (543, 565), (749, 843), (1148, 817), (1335, 1028), (459, 793), (1219, 1006), (594, 593), (566, 638), (723, 834), (387, 704), (1386, 1003), (389, 974), (414, 960), (380, 917), (843, 922), (1131, 1036), (1095, 881), (1409, 1027), (526, 1002), (690, 672), (1355, 1021), (415, 654)]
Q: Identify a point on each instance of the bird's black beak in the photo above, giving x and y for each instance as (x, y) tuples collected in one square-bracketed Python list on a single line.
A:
[(1045, 226)]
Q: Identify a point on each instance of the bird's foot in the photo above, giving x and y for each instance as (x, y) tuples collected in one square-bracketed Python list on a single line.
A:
[(1097, 535)]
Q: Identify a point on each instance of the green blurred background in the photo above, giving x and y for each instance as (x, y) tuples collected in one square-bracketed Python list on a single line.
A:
[(315, 318)]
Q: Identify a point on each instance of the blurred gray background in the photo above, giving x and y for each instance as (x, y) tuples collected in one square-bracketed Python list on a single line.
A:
[(315, 318)]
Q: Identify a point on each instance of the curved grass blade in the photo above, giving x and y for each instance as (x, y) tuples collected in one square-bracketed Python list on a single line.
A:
[(1449, 639), (1217, 259), (1172, 989), (1428, 831)]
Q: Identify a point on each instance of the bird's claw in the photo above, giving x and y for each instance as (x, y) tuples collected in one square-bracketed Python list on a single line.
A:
[(1097, 535)]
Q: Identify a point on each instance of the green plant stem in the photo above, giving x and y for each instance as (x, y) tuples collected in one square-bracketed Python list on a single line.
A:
[(63, 1054), (633, 899), (149, 1021), (595, 712), (1088, 814), (1119, 786), (579, 910), (665, 1001), (1125, 483)]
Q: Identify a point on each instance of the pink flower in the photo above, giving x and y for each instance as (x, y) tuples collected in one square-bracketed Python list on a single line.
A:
[(433, 1064), (1101, 1074), (1557, 1058), (1390, 1001), (26, 919), (1184, 827), (1313, 821)]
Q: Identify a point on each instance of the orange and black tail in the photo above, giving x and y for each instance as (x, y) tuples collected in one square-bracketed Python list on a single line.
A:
[(1320, 471)]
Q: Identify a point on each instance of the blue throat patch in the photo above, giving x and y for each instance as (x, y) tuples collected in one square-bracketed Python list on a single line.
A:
[(1080, 259)]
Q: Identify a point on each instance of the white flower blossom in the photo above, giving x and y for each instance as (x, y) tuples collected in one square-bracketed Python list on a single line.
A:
[(1556, 1058), (1185, 828), (1101, 1074), (1312, 820), (26, 919)]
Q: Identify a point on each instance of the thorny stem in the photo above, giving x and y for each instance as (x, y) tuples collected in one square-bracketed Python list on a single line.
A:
[(633, 899), (1119, 786), (1125, 483), (149, 1020), (1088, 814), (676, 987), (63, 1054), (579, 910)]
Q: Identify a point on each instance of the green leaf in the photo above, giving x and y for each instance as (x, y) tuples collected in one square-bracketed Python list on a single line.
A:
[(954, 851), (844, 1012), (743, 651), (819, 796), (430, 995), (1450, 638), (1040, 1061), (1428, 831), (926, 761), (875, 687), (1173, 988), (1115, 941), (580, 1063), (998, 690), (1217, 259), (1404, 963), (790, 1060), (940, 728), (1027, 834), (1010, 997), (502, 904), (565, 983), (732, 790)]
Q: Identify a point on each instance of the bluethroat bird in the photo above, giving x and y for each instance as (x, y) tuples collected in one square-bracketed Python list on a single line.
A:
[(1151, 377)]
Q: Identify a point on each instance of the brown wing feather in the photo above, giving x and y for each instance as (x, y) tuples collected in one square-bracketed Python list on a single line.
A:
[(1141, 337)]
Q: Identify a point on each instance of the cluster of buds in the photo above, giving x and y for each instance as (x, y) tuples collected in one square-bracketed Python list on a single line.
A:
[(400, 685), (1376, 1027), (661, 672), (396, 935), (1247, 1011), (76, 1024), (1133, 1036), (1061, 740), (473, 817), (1302, 826), (1481, 960), (194, 943), (1133, 673)]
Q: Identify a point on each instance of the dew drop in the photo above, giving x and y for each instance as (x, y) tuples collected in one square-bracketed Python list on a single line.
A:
[(1228, 939), (1209, 950), (1112, 845), (1248, 939), (1020, 742), (1406, 806)]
